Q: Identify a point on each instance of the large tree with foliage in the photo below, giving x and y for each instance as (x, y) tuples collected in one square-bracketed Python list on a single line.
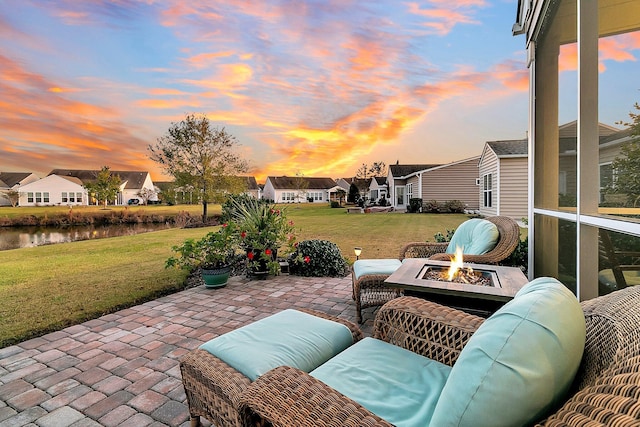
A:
[(366, 172), (202, 157), (105, 188), (627, 164)]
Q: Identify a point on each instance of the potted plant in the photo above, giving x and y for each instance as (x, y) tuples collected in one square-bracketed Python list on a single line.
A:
[(213, 255), (263, 230)]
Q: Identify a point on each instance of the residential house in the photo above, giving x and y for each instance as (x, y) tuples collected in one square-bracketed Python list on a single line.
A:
[(565, 232), (133, 182), (397, 177), (54, 190), (11, 181), (503, 182), (442, 183), (253, 189), (378, 188), (299, 189)]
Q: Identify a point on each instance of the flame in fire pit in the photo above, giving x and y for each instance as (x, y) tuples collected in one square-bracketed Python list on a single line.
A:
[(457, 269)]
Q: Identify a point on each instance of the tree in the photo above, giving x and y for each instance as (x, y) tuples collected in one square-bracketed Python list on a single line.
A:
[(146, 194), (105, 187), (354, 194), (627, 165), (366, 172), (203, 157), (301, 184), (341, 195), (12, 195)]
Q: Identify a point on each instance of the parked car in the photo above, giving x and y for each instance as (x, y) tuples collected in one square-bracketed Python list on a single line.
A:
[(133, 201)]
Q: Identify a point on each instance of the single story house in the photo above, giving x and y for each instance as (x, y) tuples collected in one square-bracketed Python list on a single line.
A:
[(54, 190), (253, 189), (11, 181), (133, 183), (299, 189), (378, 188), (504, 183), (442, 183), (397, 182)]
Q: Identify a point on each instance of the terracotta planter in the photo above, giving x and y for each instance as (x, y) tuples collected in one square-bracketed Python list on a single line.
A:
[(216, 277)]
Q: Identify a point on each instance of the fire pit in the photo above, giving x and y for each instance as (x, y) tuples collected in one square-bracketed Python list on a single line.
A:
[(481, 292), (458, 272)]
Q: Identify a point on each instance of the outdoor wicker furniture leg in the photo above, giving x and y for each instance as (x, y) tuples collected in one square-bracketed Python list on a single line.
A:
[(371, 291)]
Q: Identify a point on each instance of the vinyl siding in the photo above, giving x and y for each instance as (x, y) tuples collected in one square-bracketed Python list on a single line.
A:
[(513, 187), (454, 182), (489, 165)]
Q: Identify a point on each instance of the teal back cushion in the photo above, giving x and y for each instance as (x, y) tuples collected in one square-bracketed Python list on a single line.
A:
[(519, 364), (475, 236)]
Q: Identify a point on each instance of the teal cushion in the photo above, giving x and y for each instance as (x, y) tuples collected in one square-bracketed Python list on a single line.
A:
[(289, 338), (475, 236), (520, 362), (398, 385), (375, 266)]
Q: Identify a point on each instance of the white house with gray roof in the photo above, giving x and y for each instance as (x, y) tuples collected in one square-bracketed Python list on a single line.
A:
[(11, 181)]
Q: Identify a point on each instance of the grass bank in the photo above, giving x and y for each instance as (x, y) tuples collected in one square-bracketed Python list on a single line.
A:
[(50, 287)]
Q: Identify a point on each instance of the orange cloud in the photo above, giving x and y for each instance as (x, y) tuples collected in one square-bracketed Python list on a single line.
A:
[(450, 13)]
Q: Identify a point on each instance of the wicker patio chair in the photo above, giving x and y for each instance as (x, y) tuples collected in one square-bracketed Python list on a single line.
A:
[(213, 388), (370, 290), (509, 238), (604, 392)]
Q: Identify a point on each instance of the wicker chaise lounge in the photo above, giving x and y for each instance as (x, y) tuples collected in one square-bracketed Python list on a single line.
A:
[(213, 387), (369, 289), (605, 391)]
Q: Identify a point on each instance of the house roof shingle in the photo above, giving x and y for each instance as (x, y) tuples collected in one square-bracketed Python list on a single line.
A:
[(9, 179), (404, 170), (290, 182), (133, 179), (509, 148)]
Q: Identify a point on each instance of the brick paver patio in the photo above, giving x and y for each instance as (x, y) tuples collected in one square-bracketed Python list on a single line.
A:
[(122, 369)]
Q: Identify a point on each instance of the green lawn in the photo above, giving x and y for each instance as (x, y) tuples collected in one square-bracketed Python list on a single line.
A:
[(49, 287)]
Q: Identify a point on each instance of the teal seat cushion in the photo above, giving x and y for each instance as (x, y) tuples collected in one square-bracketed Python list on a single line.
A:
[(375, 266), (520, 362), (475, 236), (398, 385), (288, 338)]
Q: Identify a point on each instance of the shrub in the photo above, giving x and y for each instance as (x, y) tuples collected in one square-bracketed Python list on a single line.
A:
[(431, 206), (441, 238), (454, 206), (335, 204), (519, 257), (415, 205), (231, 206), (383, 201), (318, 258)]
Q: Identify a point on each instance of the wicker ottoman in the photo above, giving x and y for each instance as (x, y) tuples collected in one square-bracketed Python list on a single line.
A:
[(369, 289), (213, 387)]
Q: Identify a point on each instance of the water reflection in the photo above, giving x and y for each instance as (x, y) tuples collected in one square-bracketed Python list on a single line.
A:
[(26, 237)]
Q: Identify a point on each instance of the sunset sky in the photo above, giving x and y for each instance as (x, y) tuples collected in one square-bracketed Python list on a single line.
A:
[(309, 87)]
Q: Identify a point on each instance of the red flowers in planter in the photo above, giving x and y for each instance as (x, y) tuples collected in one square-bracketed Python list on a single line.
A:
[(307, 259)]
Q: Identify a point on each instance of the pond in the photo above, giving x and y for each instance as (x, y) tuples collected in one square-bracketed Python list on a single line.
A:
[(26, 237)]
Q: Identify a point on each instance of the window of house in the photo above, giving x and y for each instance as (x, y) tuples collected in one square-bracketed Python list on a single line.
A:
[(79, 197), (30, 197), (72, 197), (38, 197), (45, 197), (64, 198), (409, 192), (487, 190)]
